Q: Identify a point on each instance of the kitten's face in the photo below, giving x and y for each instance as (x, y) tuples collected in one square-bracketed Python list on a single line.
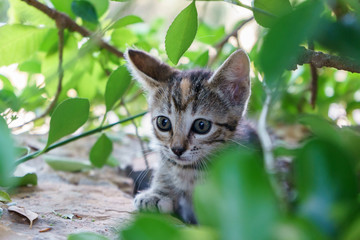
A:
[(193, 112)]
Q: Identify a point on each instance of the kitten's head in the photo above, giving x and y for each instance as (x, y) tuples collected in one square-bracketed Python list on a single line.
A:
[(193, 112)]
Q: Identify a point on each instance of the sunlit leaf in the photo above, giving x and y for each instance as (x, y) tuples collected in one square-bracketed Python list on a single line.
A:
[(127, 20), (101, 151), (85, 10), (237, 198), (19, 42), (67, 118), (100, 6), (4, 197), (123, 37), (209, 35), (66, 164), (63, 6), (116, 86), (202, 60), (276, 9), (30, 66), (86, 236), (181, 33)]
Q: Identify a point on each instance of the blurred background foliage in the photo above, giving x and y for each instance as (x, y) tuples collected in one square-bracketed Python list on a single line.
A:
[(315, 111)]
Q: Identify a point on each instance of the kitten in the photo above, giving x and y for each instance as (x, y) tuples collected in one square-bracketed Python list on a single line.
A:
[(193, 113)]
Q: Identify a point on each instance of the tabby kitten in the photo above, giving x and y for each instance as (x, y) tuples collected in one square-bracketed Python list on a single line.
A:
[(193, 112)]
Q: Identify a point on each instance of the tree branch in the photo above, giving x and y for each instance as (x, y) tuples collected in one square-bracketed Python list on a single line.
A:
[(70, 24), (320, 60), (314, 78)]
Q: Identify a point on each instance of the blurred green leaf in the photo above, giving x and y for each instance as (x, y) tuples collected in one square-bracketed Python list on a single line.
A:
[(353, 231), (101, 151), (30, 66), (6, 83), (181, 33), (6, 154), (209, 35), (150, 227), (86, 236), (326, 185), (202, 60), (27, 179), (85, 10), (116, 86), (199, 233), (8, 99), (281, 45), (67, 118), (296, 229), (21, 151), (4, 197), (22, 13), (237, 198), (101, 6), (63, 6), (66, 164), (127, 20), (277, 8), (123, 37), (19, 42)]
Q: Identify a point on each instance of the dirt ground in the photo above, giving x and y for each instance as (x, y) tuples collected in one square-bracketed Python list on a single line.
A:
[(98, 200)]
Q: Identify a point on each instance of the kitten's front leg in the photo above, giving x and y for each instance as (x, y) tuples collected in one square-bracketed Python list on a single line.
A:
[(160, 197), (151, 201)]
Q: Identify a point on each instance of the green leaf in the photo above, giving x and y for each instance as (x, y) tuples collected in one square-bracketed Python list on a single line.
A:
[(21, 151), (202, 60), (63, 6), (150, 227), (127, 20), (326, 185), (100, 6), (6, 154), (123, 37), (276, 8), (66, 164), (181, 33), (19, 42), (209, 35), (4, 197), (86, 236), (281, 45), (28, 179), (85, 10), (237, 198), (30, 66), (101, 151), (67, 118), (116, 86)]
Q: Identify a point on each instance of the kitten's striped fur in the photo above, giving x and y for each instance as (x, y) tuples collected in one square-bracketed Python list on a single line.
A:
[(217, 99)]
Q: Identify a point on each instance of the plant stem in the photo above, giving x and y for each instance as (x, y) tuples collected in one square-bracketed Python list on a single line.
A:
[(253, 9), (66, 141)]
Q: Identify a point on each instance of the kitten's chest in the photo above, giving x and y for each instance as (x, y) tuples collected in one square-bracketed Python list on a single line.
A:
[(185, 179)]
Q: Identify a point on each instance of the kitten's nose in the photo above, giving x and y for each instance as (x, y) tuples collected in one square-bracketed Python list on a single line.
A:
[(178, 150)]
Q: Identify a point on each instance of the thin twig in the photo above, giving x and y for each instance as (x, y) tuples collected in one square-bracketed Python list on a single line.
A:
[(138, 136), (66, 141), (314, 79), (73, 26)]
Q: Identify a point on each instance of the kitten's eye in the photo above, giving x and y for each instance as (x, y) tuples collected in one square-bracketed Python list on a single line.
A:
[(163, 123), (201, 126)]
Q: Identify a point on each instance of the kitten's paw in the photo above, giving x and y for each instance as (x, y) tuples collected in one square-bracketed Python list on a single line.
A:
[(149, 201)]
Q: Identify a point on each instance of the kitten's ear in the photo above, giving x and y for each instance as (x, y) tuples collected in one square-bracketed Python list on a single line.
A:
[(232, 79), (149, 71)]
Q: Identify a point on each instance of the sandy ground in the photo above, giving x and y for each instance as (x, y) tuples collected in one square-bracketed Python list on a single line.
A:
[(98, 200)]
